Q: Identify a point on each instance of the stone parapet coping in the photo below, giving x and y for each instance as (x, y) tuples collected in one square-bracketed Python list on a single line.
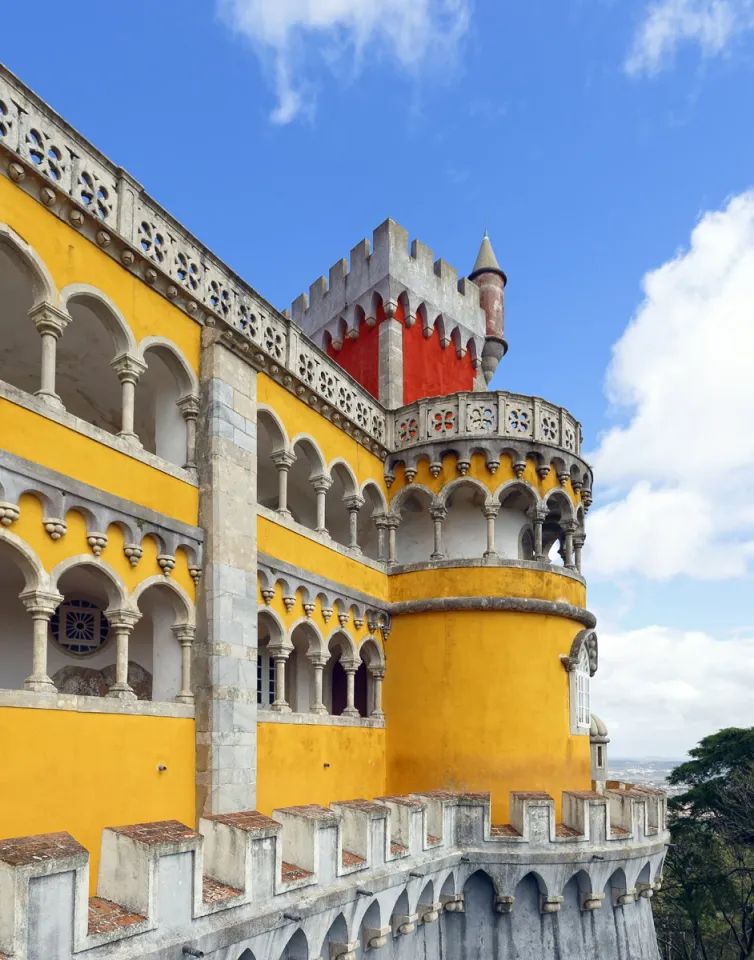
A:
[(547, 608), (28, 699), (36, 405), (492, 563), (319, 720)]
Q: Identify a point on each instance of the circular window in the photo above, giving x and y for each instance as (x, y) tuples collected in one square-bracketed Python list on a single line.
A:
[(79, 627)]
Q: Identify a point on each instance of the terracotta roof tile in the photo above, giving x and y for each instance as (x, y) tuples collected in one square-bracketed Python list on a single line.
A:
[(249, 820), (160, 831), (215, 892), (396, 848), (351, 859), (433, 841), (619, 832), (291, 872), (106, 916), (561, 830), (503, 830), (22, 851)]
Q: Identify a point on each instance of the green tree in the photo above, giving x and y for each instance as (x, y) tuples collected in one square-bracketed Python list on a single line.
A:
[(706, 908)]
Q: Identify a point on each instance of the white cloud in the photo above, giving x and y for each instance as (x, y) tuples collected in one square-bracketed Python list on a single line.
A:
[(660, 690), (288, 33), (679, 475), (711, 24)]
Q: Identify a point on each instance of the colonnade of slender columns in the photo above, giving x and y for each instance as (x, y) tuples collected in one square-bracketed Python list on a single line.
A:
[(51, 323), (41, 605)]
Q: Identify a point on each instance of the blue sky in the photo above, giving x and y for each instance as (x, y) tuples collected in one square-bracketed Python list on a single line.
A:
[(592, 137)]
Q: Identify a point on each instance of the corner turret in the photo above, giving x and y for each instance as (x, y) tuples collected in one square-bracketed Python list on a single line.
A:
[(491, 281)]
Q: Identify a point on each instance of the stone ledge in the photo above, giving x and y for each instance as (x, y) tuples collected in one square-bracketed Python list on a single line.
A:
[(480, 562), (274, 517), (28, 699), (32, 403), (319, 720)]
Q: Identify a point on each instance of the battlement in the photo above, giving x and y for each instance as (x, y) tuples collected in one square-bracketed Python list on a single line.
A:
[(164, 883), (389, 271)]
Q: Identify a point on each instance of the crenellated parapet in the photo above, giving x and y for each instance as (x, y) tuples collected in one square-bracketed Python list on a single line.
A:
[(387, 866), (387, 272)]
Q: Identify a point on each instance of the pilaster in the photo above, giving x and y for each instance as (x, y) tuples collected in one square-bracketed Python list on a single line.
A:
[(224, 656)]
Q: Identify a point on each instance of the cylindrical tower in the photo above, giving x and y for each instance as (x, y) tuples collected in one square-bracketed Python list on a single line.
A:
[(492, 648), (491, 281)]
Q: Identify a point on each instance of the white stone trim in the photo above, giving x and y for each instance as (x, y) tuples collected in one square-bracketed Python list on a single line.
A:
[(319, 720), (28, 699), (123, 337), (45, 290), (65, 419)]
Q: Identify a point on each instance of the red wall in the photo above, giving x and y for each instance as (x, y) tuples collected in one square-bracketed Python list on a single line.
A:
[(428, 369), (360, 357)]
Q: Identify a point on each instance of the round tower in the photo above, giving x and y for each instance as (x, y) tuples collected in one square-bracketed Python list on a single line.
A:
[(491, 281)]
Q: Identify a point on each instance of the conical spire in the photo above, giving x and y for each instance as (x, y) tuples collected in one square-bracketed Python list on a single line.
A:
[(486, 261)]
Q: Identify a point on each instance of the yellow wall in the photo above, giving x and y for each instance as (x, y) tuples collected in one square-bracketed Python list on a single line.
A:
[(71, 258), (291, 762), (298, 417), (479, 701), (89, 771), (52, 445)]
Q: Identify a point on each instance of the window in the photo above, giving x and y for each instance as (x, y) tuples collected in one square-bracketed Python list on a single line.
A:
[(265, 679), (583, 707), (79, 627), (600, 758)]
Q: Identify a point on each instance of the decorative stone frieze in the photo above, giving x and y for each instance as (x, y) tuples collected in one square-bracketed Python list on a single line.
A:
[(134, 553), (166, 563), (97, 542), (9, 513), (55, 527)]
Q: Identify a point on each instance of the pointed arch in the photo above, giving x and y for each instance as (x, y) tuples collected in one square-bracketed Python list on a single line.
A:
[(411, 489), (34, 573)]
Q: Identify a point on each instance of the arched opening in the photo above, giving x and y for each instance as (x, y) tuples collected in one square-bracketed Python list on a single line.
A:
[(336, 503), (474, 924), (335, 693), (20, 345), (372, 921), (16, 627), (269, 633), (162, 609), (526, 914), (302, 496), (415, 534), (514, 532), (464, 530), (299, 673), (297, 947), (560, 511), (369, 677), (375, 506), (270, 440), (159, 423), (86, 381), (82, 651), (337, 934)]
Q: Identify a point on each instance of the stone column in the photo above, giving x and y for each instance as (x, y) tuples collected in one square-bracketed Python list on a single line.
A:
[(390, 361), (381, 524), (569, 528), (189, 407), (438, 514), (122, 623), (353, 505), (578, 545), (128, 369), (283, 462), (378, 675), (321, 486), (50, 323), (184, 634), (225, 650), (318, 662), (392, 526), (280, 655), (40, 605), (350, 666), (537, 514), (490, 511)]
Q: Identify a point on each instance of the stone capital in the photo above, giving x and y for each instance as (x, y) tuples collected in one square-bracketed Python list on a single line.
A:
[(280, 651), (377, 671), (283, 460), (322, 483), (353, 502), (189, 407), (438, 512), (491, 510), (350, 664), (184, 632), (317, 659), (128, 368), (41, 603), (122, 620), (569, 526), (49, 319)]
